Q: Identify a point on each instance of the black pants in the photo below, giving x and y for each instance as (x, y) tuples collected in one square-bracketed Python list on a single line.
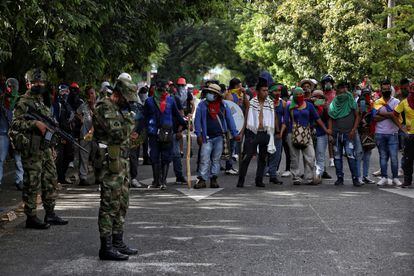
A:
[(65, 155), (145, 154), (133, 162), (408, 159), (287, 152), (251, 141)]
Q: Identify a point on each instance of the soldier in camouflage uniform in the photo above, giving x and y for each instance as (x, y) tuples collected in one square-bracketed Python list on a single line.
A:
[(28, 137), (114, 126)]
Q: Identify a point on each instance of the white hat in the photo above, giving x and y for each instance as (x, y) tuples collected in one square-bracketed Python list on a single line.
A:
[(125, 76)]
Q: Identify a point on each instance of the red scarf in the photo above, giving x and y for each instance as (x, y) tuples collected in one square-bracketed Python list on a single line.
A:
[(163, 102), (410, 99), (214, 108)]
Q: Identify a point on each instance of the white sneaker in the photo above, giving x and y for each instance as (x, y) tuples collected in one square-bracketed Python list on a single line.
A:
[(136, 184), (377, 173), (383, 182), (400, 173), (232, 172), (331, 162), (235, 157), (286, 174), (396, 182)]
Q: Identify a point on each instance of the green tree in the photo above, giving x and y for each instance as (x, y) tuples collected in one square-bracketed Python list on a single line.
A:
[(346, 38), (85, 39), (395, 46)]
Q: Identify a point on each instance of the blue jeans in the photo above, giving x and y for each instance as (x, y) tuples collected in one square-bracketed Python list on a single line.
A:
[(176, 157), (160, 154), (274, 159), (365, 163), (352, 152), (362, 158), (4, 149), (210, 155), (321, 145), (388, 149)]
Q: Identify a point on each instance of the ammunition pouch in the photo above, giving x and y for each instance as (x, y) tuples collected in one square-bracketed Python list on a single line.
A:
[(19, 141), (114, 156)]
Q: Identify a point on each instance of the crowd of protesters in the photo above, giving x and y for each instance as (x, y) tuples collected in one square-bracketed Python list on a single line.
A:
[(308, 122)]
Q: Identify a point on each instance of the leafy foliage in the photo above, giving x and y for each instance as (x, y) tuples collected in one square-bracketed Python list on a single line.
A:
[(85, 39), (346, 38)]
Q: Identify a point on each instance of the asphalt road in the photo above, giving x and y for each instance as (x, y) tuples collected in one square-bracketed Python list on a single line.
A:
[(278, 230)]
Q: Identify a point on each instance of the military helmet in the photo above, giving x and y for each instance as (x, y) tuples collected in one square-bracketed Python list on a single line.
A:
[(125, 76), (127, 89), (35, 74), (327, 78)]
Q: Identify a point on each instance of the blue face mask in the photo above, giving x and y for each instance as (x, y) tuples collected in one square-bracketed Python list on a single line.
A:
[(210, 97)]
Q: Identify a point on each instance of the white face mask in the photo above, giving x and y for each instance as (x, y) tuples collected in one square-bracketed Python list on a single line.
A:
[(358, 92)]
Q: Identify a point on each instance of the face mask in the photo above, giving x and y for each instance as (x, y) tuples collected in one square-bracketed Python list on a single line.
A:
[(210, 97), (300, 99), (405, 92), (181, 90), (319, 102), (159, 92), (363, 105), (342, 97), (38, 90), (358, 92), (143, 97), (328, 87), (386, 94), (63, 98)]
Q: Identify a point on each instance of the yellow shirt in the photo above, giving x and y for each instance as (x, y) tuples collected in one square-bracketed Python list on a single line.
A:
[(403, 106)]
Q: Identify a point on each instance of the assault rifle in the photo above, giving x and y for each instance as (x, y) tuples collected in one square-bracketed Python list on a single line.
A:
[(52, 128)]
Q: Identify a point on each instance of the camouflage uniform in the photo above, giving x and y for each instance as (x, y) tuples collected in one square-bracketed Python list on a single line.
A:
[(113, 128), (39, 168)]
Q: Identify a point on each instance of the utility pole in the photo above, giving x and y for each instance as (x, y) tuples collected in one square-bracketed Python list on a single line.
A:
[(390, 19)]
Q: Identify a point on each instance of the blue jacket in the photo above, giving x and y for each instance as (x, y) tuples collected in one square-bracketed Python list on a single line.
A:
[(5, 120), (154, 119), (200, 123)]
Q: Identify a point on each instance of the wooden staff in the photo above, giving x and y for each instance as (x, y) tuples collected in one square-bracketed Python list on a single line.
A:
[(188, 153)]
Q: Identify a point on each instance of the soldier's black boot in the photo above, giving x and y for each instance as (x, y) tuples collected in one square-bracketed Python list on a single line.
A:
[(164, 175), (53, 219), (107, 252), (118, 244), (34, 222), (156, 175)]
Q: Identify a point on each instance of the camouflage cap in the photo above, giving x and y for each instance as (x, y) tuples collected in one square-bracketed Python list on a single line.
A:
[(35, 74), (127, 89)]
